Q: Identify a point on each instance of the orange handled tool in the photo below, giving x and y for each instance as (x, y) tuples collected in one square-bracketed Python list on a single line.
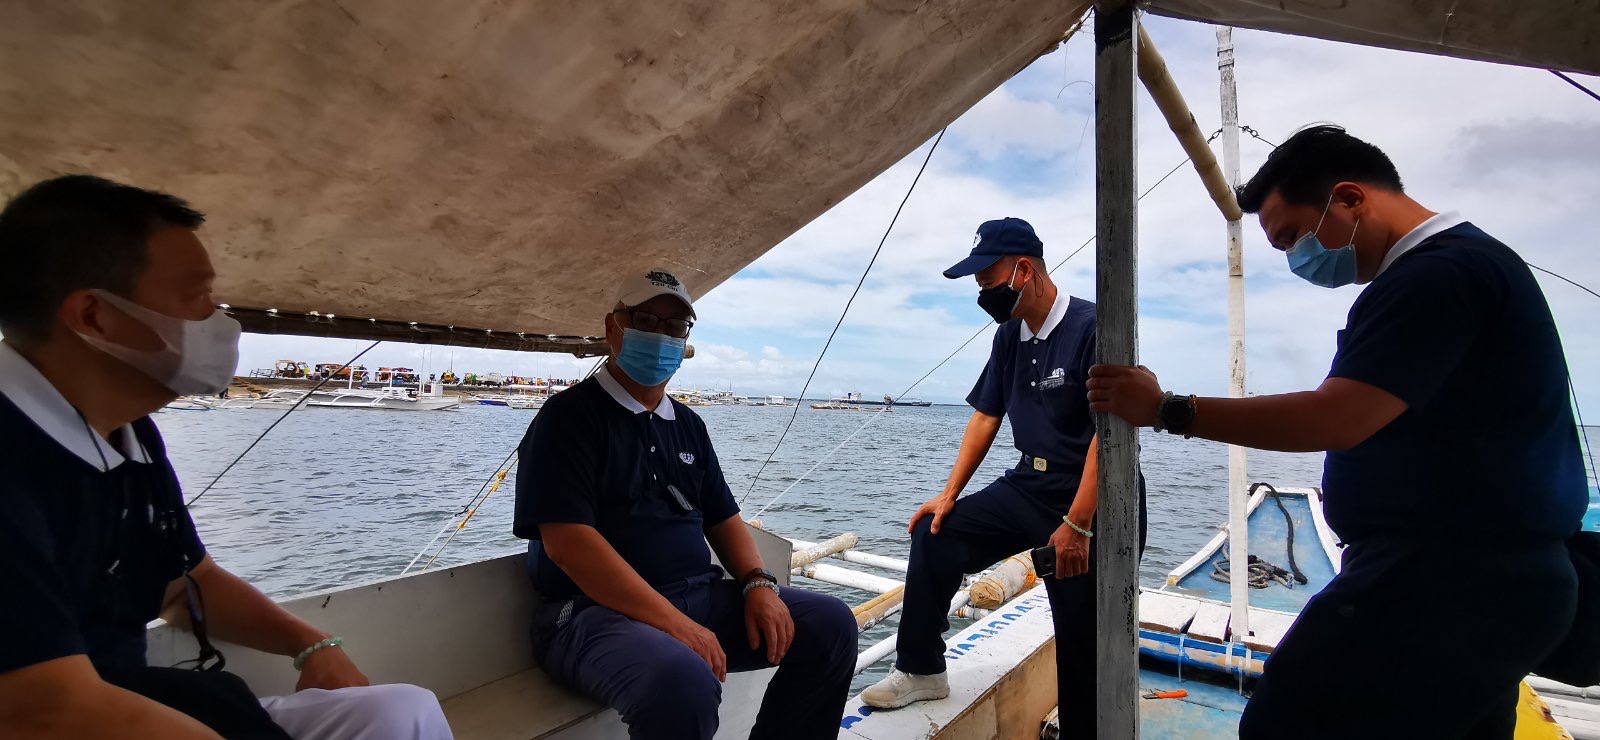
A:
[(1179, 694)]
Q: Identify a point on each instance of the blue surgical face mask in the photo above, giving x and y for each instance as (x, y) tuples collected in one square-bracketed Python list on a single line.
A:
[(649, 358), (1318, 265)]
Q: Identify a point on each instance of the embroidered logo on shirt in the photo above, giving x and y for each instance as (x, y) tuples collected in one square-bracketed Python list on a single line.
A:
[(686, 457), (1055, 379)]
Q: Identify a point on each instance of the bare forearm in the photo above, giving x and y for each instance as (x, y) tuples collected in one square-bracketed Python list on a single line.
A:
[(1291, 422), (604, 576), (734, 545), (1083, 504), (239, 613), (64, 699), (975, 443)]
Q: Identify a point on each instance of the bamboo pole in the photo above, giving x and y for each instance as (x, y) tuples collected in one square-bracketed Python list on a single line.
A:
[(1158, 80), (1238, 470), (1011, 577), (1116, 553), (819, 551), (886, 647), (879, 608)]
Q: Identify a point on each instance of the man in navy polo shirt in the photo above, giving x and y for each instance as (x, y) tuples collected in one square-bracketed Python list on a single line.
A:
[(1453, 472), (1037, 367), (105, 303), (619, 490)]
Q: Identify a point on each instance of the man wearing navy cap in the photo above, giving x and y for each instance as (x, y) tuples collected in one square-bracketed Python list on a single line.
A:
[(619, 491), (1037, 368)]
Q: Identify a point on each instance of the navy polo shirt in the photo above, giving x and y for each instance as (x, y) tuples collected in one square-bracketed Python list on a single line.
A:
[(1458, 328), (1038, 382), (91, 531), (646, 479)]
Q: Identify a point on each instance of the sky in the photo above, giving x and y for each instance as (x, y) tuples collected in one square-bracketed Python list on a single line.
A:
[(1514, 150)]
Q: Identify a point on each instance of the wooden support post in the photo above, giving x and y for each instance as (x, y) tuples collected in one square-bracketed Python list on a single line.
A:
[(1238, 472), (1116, 556)]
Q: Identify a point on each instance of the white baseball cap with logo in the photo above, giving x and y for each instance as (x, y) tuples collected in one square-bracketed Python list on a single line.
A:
[(640, 287)]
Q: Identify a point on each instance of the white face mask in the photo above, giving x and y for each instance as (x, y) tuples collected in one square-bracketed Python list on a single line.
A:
[(199, 356)]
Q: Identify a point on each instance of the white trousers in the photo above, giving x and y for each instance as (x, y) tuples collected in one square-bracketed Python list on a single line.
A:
[(386, 712)]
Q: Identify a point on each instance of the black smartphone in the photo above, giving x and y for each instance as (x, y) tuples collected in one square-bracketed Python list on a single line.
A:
[(1044, 561)]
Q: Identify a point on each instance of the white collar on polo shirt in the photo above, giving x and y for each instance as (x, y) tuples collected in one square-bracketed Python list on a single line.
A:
[(33, 394), (1422, 233), (1057, 311), (620, 395)]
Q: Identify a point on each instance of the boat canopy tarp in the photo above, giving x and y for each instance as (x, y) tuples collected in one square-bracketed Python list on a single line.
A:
[(482, 172)]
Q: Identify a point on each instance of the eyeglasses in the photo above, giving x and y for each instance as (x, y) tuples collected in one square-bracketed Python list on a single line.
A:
[(646, 321)]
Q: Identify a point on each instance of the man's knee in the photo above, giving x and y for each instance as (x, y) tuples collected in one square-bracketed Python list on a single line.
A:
[(386, 711), (833, 622), (927, 547), (411, 712), (675, 690)]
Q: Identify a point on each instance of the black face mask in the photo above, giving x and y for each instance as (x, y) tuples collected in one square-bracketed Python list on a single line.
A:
[(1001, 300)]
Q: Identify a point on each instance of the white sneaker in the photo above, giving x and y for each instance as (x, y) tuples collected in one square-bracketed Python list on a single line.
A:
[(899, 689)]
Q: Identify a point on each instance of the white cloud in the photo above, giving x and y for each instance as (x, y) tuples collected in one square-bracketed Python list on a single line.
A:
[(1004, 123)]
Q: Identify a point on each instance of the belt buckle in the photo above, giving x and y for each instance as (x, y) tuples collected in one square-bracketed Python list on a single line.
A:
[(1040, 464)]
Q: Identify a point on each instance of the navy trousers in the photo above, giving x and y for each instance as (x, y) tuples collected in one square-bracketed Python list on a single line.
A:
[(1416, 639), (663, 689), (1017, 512)]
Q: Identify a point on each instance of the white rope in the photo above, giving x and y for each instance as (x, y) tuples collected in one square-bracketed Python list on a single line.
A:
[(424, 550), (476, 500)]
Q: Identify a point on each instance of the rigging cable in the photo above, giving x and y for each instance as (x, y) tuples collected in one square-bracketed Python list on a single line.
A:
[(471, 507), (801, 400), (935, 369), (1576, 84), (1583, 432), (467, 510), (297, 404)]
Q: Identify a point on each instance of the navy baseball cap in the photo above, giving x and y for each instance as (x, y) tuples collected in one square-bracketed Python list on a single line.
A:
[(996, 239)]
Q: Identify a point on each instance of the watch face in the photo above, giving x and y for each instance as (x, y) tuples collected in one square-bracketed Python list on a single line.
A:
[(1177, 413)]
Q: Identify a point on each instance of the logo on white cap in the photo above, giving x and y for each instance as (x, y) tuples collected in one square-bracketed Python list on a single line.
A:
[(663, 279)]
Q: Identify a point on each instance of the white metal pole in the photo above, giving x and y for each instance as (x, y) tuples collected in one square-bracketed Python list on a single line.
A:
[(1116, 280), (1238, 473)]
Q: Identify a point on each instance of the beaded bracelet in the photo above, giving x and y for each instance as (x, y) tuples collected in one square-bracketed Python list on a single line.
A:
[(1076, 528), (300, 660)]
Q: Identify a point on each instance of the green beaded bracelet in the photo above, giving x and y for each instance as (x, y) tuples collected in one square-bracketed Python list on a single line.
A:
[(300, 660)]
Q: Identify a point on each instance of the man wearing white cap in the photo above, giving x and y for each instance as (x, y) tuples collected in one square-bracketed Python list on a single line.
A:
[(619, 492)]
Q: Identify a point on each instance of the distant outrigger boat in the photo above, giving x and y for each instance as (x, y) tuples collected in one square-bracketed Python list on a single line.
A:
[(390, 399)]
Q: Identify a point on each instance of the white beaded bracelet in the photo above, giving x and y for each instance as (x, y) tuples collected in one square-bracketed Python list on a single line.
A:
[(300, 660), (1076, 528)]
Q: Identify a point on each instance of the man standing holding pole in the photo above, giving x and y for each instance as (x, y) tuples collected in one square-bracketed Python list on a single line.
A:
[(1452, 457), (1035, 376)]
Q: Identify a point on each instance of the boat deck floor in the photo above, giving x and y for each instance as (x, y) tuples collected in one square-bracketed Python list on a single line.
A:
[(1211, 710)]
